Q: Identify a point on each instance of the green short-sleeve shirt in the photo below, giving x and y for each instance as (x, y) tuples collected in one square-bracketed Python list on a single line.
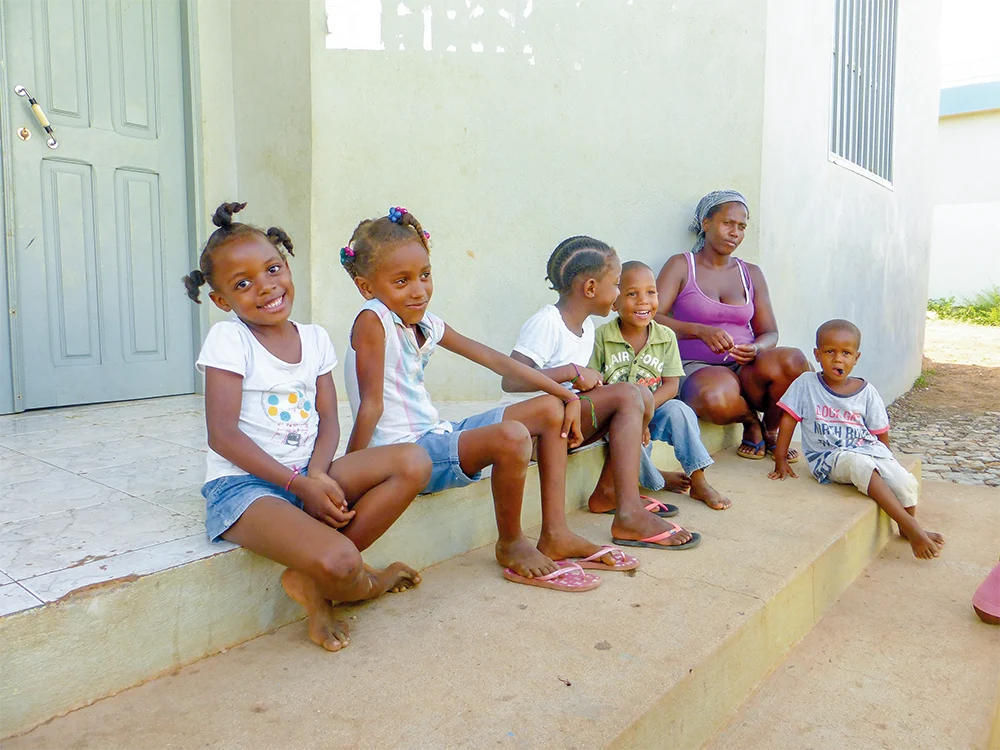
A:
[(617, 362)]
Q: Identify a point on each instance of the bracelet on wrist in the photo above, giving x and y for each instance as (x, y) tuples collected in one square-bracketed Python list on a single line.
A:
[(296, 471)]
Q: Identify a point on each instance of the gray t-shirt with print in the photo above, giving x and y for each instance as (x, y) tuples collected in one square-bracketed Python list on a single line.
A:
[(831, 422)]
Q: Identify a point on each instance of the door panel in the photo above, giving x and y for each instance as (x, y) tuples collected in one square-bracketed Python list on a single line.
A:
[(100, 240)]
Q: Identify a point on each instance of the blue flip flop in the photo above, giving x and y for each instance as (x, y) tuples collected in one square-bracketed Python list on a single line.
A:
[(762, 445)]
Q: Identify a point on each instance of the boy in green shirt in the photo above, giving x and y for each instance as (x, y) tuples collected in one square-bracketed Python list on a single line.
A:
[(636, 349)]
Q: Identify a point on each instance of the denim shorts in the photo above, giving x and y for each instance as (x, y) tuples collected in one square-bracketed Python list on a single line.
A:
[(443, 449), (226, 498)]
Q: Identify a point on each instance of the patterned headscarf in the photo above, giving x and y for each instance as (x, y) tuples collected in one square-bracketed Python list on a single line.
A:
[(706, 204)]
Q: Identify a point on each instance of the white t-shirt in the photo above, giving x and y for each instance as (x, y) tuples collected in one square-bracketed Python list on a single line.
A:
[(279, 398), (546, 341), (407, 411)]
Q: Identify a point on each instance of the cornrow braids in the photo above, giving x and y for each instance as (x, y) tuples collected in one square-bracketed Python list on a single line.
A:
[(575, 256), (229, 230), (373, 239)]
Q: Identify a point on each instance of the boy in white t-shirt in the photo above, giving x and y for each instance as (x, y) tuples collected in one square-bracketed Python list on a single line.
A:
[(845, 434), (559, 341)]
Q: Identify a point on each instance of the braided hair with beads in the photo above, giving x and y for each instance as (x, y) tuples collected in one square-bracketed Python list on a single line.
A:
[(373, 239), (229, 230)]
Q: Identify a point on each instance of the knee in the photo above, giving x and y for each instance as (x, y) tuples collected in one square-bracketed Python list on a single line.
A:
[(791, 363), (513, 442), (552, 411), (415, 466), (647, 403), (337, 566), (630, 398), (719, 405)]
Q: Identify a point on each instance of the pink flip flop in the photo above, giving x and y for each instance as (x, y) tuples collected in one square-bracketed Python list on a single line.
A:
[(567, 578), (654, 541), (654, 506), (593, 562), (986, 600)]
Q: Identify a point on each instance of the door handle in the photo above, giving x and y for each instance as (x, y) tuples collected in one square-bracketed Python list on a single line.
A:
[(39, 115)]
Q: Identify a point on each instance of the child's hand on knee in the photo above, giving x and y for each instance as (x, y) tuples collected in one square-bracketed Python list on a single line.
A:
[(646, 437), (782, 469), (571, 425), (323, 499), (588, 379)]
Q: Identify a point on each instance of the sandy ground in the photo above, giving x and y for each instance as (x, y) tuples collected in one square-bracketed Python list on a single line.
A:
[(961, 369)]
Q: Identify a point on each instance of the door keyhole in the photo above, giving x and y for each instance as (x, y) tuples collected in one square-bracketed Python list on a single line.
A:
[(24, 134)]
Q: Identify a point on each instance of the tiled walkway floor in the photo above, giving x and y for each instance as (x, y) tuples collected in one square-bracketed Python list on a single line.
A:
[(92, 493)]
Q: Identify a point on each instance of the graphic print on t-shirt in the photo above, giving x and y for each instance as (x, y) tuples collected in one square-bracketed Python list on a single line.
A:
[(841, 427), (647, 369), (288, 407)]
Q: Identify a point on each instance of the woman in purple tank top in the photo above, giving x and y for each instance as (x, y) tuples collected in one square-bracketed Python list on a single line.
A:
[(720, 309)]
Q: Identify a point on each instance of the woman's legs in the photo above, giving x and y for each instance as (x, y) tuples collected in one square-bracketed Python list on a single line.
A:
[(765, 380), (324, 564), (623, 412), (506, 446), (716, 396), (543, 417)]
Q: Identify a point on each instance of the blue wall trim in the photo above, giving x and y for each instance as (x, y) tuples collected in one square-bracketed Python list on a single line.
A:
[(976, 97)]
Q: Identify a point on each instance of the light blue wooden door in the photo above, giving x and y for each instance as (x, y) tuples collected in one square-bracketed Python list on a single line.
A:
[(100, 223)]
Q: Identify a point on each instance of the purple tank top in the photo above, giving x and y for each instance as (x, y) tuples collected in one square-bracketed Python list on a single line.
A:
[(693, 306)]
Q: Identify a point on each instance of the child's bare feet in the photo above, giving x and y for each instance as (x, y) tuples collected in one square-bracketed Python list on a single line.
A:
[(643, 525), (396, 578), (324, 629), (602, 499), (702, 490), (925, 544), (561, 546), (676, 481), (523, 558)]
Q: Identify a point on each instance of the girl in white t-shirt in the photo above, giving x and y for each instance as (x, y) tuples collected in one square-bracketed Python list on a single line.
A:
[(392, 340), (272, 485), (559, 341)]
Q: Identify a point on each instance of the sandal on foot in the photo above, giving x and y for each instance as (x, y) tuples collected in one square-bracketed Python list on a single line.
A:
[(654, 506), (594, 562), (756, 447), (654, 541), (793, 455), (566, 578)]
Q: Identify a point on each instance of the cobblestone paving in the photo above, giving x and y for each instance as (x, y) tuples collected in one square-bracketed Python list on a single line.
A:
[(962, 448)]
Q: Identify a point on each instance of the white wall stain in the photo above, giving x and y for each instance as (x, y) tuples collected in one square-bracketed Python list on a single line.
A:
[(428, 14), (362, 25)]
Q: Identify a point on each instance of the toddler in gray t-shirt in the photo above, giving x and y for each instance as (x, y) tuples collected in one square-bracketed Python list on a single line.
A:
[(845, 434)]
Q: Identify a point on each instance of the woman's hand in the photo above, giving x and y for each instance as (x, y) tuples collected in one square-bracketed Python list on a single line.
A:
[(588, 380), (743, 354), (571, 424), (716, 339), (323, 499)]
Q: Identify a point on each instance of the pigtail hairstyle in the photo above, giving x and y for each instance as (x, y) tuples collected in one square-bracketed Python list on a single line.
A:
[(229, 230), (575, 256), (374, 238)]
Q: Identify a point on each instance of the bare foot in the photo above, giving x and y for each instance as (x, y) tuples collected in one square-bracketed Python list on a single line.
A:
[(676, 481), (772, 444), (521, 556), (566, 544), (602, 499), (926, 544), (324, 629), (642, 525), (702, 490), (396, 578)]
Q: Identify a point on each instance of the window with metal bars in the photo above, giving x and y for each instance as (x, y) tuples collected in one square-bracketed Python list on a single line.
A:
[(864, 81)]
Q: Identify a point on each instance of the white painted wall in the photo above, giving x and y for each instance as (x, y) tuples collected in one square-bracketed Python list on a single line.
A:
[(965, 255), (618, 119), (835, 244)]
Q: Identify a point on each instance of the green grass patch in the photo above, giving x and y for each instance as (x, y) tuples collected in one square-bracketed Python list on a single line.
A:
[(982, 309)]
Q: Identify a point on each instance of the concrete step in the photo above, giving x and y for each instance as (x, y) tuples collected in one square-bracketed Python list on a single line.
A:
[(152, 622), (901, 660), (660, 658)]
